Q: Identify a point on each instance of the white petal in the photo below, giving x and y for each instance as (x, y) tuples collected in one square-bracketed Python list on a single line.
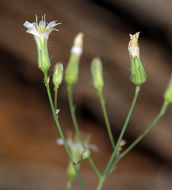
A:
[(33, 31), (93, 147), (28, 24), (60, 141), (52, 24)]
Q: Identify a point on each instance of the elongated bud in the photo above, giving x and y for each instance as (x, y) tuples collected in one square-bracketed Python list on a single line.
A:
[(138, 74), (168, 93), (58, 75), (72, 70), (97, 74)]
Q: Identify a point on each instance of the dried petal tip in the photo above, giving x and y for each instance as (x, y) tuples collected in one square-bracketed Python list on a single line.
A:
[(78, 41), (133, 47)]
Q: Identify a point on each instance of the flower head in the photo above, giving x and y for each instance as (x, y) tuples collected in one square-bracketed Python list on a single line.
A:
[(79, 153), (41, 31), (138, 74), (76, 147)]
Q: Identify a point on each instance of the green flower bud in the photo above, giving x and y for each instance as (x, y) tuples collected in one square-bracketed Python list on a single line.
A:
[(168, 93), (85, 154), (58, 75), (72, 70), (138, 74), (97, 74)]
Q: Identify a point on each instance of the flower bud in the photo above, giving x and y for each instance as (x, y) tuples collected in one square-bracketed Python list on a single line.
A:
[(168, 93), (72, 70), (58, 75), (97, 74), (85, 154), (138, 74)]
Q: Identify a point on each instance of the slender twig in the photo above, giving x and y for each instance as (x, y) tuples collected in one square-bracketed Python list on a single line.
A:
[(72, 110), (160, 114), (102, 102), (46, 79), (55, 97), (108, 167)]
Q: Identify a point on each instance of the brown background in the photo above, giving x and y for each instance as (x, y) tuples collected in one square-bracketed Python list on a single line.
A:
[(29, 156)]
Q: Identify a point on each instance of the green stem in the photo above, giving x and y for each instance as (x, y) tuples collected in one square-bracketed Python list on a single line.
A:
[(55, 97), (102, 102), (46, 79), (160, 114), (72, 110), (108, 167)]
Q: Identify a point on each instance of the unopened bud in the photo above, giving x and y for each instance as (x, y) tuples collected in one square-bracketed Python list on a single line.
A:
[(97, 74), (168, 93), (85, 154), (58, 74), (72, 70), (138, 74)]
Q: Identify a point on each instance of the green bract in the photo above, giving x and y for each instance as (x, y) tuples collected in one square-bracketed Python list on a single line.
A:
[(97, 74), (138, 74)]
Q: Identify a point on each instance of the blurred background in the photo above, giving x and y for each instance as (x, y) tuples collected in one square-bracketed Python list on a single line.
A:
[(29, 156)]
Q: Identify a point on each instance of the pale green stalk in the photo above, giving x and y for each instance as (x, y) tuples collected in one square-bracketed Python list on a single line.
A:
[(72, 110), (108, 167), (102, 102), (46, 80), (55, 97)]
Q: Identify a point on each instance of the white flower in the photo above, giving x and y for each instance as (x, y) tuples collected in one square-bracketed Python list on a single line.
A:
[(40, 29), (133, 47), (77, 145)]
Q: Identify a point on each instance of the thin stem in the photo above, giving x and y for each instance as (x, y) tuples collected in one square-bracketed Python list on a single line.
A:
[(160, 114), (108, 167), (72, 111), (46, 79), (55, 97), (102, 102)]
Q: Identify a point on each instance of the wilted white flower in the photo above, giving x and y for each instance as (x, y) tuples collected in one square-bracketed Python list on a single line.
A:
[(76, 147), (78, 153), (133, 47)]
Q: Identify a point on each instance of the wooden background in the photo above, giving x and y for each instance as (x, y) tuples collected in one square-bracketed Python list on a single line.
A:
[(29, 156)]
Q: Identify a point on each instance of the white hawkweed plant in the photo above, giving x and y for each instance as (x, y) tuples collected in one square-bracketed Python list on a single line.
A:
[(77, 148)]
